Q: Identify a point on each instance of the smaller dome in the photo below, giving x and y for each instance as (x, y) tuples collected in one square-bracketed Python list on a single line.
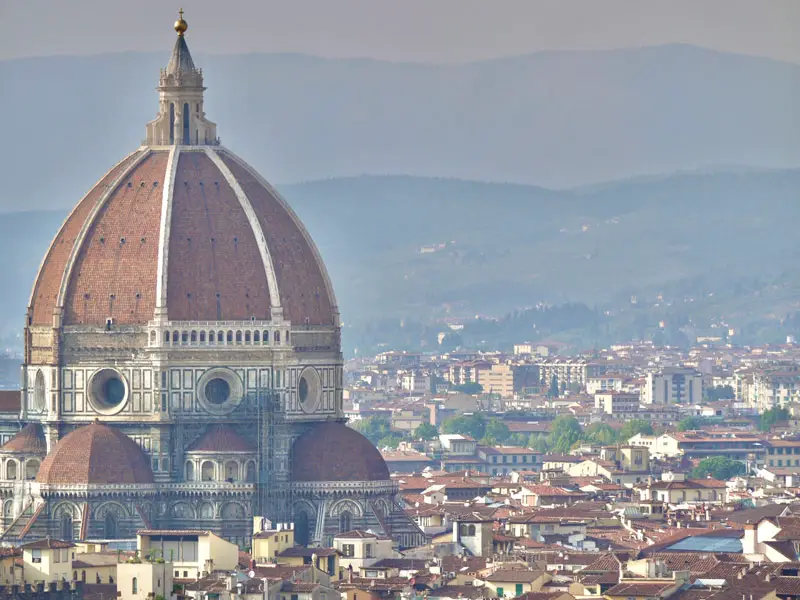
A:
[(95, 454), (29, 440), (221, 439), (332, 451)]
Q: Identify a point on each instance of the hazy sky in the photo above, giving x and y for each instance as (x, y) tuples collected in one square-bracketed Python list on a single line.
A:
[(402, 30)]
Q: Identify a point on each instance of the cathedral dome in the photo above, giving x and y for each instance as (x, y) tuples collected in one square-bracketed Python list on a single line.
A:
[(95, 454), (331, 451), (29, 440), (181, 230)]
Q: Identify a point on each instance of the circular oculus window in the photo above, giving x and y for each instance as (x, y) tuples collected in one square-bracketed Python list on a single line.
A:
[(309, 389), (108, 391), (220, 390)]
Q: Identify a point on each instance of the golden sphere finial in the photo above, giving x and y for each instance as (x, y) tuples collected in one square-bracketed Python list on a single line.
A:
[(180, 25)]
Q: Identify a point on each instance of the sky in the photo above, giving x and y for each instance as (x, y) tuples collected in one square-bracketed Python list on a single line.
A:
[(438, 31)]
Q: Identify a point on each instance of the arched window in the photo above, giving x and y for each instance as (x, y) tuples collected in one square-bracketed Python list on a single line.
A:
[(83, 576), (202, 337), (471, 530), (231, 471), (165, 464), (171, 123), (185, 116), (166, 337), (174, 337), (345, 521), (184, 337), (287, 338), (189, 471), (256, 337), (277, 337), (39, 391), (246, 337), (135, 586), (266, 337), (193, 337), (74, 576), (301, 528), (207, 471), (66, 527), (220, 337), (230, 337), (250, 475), (110, 526), (31, 469), (238, 337), (11, 469)]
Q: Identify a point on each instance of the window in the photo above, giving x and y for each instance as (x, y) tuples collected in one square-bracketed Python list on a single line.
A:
[(348, 549), (500, 592), (186, 574), (135, 586), (368, 550), (36, 556), (518, 589)]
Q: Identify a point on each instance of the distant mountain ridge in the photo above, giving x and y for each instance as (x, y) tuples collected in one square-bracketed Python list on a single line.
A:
[(727, 236), (556, 119)]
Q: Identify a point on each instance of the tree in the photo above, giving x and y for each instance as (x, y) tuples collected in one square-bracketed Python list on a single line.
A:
[(719, 467), (691, 423), (374, 428), (600, 433), (566, 431), (631, 428), (426, 431), (473, 425), (497, 430), (537, 443), (553, 391), (390, 441), (771, 417), (468, 388), (720, 392)]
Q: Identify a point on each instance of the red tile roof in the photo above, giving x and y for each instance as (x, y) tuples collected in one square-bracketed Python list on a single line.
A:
[(221, 438)]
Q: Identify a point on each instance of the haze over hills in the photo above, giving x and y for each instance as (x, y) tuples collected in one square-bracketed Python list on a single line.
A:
[(716, 246), (555, 119)]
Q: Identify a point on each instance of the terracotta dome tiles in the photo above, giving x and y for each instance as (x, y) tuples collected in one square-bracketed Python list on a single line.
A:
[(115, 271), (221, 439), (215, 269), (29, 440), (331, 451), (95, 454), (48, 283), (301, 281)]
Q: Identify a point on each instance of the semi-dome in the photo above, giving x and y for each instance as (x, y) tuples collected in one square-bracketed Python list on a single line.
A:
[(331, 451), (184, 230), (95, 454), (29, 440)]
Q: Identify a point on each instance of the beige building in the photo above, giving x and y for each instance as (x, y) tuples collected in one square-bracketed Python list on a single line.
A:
[(193, 553), (674, 488), (143, 580), (269, 541), (360, 549), (47, 560)]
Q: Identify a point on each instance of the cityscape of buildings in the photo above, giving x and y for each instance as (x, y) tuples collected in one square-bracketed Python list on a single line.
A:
[(187, 426)]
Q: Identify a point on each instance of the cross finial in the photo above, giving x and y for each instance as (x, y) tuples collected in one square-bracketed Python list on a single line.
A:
[(180, 25)]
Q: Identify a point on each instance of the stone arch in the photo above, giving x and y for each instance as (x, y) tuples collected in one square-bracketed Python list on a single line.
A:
[(31, 468), (256, 337), (231, 470), (182, 510), (238, 336), (232, 510), (207, 470), (202, 337), (250, 471), (188, 471), (206, 510), (346, 504), (303, 514), (8, 509)]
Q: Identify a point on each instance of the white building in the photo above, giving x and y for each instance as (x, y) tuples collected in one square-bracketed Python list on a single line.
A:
[(674, 385)]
